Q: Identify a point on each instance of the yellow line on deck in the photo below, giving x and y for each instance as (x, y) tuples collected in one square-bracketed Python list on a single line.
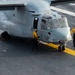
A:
[(67, 50)]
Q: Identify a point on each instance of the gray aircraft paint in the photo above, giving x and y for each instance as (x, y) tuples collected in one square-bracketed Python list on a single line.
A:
[(17, 18)]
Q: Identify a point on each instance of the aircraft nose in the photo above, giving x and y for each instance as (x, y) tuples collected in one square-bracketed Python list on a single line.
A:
[(63, 34)]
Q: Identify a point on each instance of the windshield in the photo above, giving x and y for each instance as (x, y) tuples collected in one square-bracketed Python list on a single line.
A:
[(63, 22), (55, 23)]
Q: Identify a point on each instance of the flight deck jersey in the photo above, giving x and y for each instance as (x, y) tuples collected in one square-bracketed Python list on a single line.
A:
[(35, 35), (73, 31)]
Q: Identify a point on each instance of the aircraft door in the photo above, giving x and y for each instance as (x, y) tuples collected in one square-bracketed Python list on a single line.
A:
[(35, 23)]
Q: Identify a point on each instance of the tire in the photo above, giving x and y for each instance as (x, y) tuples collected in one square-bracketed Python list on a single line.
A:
[(61, 48), (5, 36)]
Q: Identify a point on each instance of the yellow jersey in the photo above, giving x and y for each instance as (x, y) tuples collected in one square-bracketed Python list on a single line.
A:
[(35, 35), (73, 30)]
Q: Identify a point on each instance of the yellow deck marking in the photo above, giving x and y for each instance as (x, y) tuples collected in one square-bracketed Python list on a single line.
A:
[(67, 50)]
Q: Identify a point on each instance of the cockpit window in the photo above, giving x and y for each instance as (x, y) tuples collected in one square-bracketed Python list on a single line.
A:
[(63, 22), (54, 23), (59, 23), (43, 24), (44, 21), (50, 25)]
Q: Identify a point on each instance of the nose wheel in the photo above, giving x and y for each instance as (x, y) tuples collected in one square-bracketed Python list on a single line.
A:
[(61, 47)]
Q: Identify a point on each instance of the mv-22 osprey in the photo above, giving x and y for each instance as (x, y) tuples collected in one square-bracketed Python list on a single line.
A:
[(20, 18)]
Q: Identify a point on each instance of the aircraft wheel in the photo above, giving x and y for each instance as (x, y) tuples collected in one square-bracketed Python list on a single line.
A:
[(5, 36), (61, 48)]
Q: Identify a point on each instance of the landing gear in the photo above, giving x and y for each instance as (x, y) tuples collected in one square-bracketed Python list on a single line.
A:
[(61, 47), (5, 36)]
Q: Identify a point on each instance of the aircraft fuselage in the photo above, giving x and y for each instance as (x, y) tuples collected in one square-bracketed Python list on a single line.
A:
[(22, 21)]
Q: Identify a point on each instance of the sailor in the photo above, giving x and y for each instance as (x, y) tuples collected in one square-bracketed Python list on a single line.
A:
[(35, 40), (73, 32)]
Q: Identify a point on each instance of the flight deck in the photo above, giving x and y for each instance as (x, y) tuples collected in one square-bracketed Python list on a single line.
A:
[(17, 58)]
